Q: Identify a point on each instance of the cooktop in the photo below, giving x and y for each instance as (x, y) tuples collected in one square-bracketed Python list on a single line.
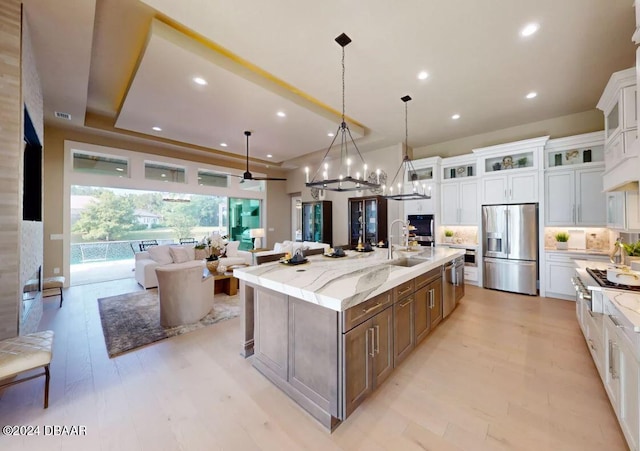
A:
[(600, 276)]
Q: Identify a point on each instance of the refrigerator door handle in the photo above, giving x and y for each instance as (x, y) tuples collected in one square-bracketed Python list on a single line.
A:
[(507, 245)]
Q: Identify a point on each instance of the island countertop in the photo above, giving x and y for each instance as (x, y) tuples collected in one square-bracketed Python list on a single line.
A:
[(340, 283)]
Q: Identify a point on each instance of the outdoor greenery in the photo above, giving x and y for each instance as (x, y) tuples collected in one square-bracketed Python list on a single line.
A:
[(114, 215)]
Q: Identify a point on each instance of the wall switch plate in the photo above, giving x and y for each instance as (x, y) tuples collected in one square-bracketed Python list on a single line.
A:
[(271, 229), (56, 236), (56, 270)]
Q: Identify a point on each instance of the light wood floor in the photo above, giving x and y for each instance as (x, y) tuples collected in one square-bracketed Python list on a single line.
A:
[(502, 372)]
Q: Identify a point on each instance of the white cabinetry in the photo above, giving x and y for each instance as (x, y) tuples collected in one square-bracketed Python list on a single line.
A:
[(623, 211), (575, 198), (510, 173), (459, 203), (560, 268), (619, 105)]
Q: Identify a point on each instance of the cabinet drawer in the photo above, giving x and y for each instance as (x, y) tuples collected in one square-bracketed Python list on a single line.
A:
[(365, 310), (403, 290), (426, 278)]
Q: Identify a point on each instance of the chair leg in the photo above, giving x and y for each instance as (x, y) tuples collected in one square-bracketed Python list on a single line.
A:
[(46, 386), (61, 297)]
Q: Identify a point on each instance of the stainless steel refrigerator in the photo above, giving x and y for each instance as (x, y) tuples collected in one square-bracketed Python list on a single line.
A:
[(510, 247)]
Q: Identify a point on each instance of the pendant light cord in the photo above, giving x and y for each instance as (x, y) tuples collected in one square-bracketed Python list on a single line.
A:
[(343, 104), (406, 130)]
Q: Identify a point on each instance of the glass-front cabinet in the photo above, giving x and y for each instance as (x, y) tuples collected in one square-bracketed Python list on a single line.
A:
[(367, 220), (317, 222)]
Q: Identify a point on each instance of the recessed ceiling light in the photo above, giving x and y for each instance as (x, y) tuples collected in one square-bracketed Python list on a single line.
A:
[(200, 81), (330, 134), (423, 75), (223, 144), (529, 29), (455, 117), (156, 128), (269, 155), (531, 95), (281, 113), (163, 175), (119, 169)]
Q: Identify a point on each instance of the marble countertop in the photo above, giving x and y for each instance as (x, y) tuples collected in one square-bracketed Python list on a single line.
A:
[(460, 245), (340, 283), (577, 251), (628, 303)]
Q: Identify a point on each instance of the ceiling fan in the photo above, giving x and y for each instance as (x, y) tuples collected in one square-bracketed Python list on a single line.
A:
[(247, 175)]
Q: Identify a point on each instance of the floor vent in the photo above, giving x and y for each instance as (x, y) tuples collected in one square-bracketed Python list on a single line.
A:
[(60, 115)]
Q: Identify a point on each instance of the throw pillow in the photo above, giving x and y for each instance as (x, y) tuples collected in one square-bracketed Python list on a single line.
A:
[(232, 248), (179, 254), (160, 254), (278, 247)]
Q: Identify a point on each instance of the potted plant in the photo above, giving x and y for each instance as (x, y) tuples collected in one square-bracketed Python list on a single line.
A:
[(448, 236), (522, 162), (562, 239), (632, 252), (213, 247)]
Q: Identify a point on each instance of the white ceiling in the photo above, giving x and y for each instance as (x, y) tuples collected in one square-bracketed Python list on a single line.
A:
[(95, 58)]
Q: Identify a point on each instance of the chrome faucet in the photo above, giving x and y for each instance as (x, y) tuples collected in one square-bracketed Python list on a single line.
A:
[(406, 226)]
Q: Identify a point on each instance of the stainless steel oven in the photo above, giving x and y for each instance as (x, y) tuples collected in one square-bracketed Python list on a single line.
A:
[(470, 257)]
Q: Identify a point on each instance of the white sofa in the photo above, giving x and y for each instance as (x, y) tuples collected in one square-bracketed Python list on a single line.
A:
[(289, 246), (172, 254)]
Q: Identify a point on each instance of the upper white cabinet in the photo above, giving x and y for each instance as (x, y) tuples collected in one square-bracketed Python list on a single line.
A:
[(623, 210), (510, 173), (573, 181), (427, 177), (620, 107), (459, 191)]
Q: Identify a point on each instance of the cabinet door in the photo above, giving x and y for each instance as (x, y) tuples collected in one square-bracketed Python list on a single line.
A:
[(435, 288), (450, 197), (628, 409), (559, 278), (494, 190), (422, 320), (371, 221), (358, 345), (356, 219), (560, 198), (468, 203), (611, 362), (615, 210), (630, 115), (523, 188), (590, 200), (404, 336), (307, 222), (383, 346)]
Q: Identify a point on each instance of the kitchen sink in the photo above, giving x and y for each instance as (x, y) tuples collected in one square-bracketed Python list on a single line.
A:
[(406, 262)]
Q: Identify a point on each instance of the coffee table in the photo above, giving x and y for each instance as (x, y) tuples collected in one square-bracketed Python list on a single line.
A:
[(225, 283)]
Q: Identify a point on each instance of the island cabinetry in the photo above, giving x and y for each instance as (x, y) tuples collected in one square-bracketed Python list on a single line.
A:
[(428, 303), (404, 314), (368, 358)]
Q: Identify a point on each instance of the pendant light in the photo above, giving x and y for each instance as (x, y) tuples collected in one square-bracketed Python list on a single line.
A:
[(417, 191), (352, 172)]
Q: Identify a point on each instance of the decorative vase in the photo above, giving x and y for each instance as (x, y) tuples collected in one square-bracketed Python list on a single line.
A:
[(212, 265), (448, 239), (562, 245)]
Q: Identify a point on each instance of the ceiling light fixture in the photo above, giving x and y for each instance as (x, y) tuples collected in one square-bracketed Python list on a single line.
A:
[(423, 75), (455, 117), (269, 155), (345, 181), (331, 135), (200, 81), (281, 114), (529, 29), (156, 128), (532, 95), (223, 144), (406, 167)]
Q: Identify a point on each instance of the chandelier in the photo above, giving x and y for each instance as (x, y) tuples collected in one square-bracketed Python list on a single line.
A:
[(406, 167), (352, 172)]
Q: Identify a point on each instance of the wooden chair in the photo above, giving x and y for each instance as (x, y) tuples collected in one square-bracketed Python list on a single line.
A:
[(146, 244)]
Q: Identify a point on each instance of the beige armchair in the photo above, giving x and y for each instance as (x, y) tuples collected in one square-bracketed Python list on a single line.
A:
[(185, 296)]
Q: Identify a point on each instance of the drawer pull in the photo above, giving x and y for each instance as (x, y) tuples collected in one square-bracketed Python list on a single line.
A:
[(591, 344), (615, 321), (590, 313), (402, 292), (370, 309), (407, 302)]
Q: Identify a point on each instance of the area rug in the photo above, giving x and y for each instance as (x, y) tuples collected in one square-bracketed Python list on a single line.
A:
[(132, 320)]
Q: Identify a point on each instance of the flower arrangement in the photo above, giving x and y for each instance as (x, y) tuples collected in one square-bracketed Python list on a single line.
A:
[(214, 245)]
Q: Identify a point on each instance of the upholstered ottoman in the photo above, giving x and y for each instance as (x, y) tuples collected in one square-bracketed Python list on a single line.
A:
[(24, 353)]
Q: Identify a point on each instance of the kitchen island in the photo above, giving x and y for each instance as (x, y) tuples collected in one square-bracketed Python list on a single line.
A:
[(329, 331)]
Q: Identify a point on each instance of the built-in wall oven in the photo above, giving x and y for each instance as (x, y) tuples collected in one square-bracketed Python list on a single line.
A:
[(470, 257), (423, 233)]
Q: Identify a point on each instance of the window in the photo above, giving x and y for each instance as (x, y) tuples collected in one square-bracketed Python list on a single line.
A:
[(164, 172), (100, 164), (208, 178)]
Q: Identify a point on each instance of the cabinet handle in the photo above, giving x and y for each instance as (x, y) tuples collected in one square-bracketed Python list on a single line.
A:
[(610, 357), (505, 193), (615, 321), (590, 313), (377, 332), (614, 362), (403, 291), (510, 194), (432, 296), (573, 213), (371, 353), (579, 214), (370, 309), (407, 302), (591, 344)]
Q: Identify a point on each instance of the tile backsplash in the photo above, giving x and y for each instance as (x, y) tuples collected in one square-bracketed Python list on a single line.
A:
[(597, 238), (461, 234)]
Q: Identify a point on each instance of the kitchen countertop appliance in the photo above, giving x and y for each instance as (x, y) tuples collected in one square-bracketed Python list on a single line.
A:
[(453, 288), (423, 233), (510, 247)]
